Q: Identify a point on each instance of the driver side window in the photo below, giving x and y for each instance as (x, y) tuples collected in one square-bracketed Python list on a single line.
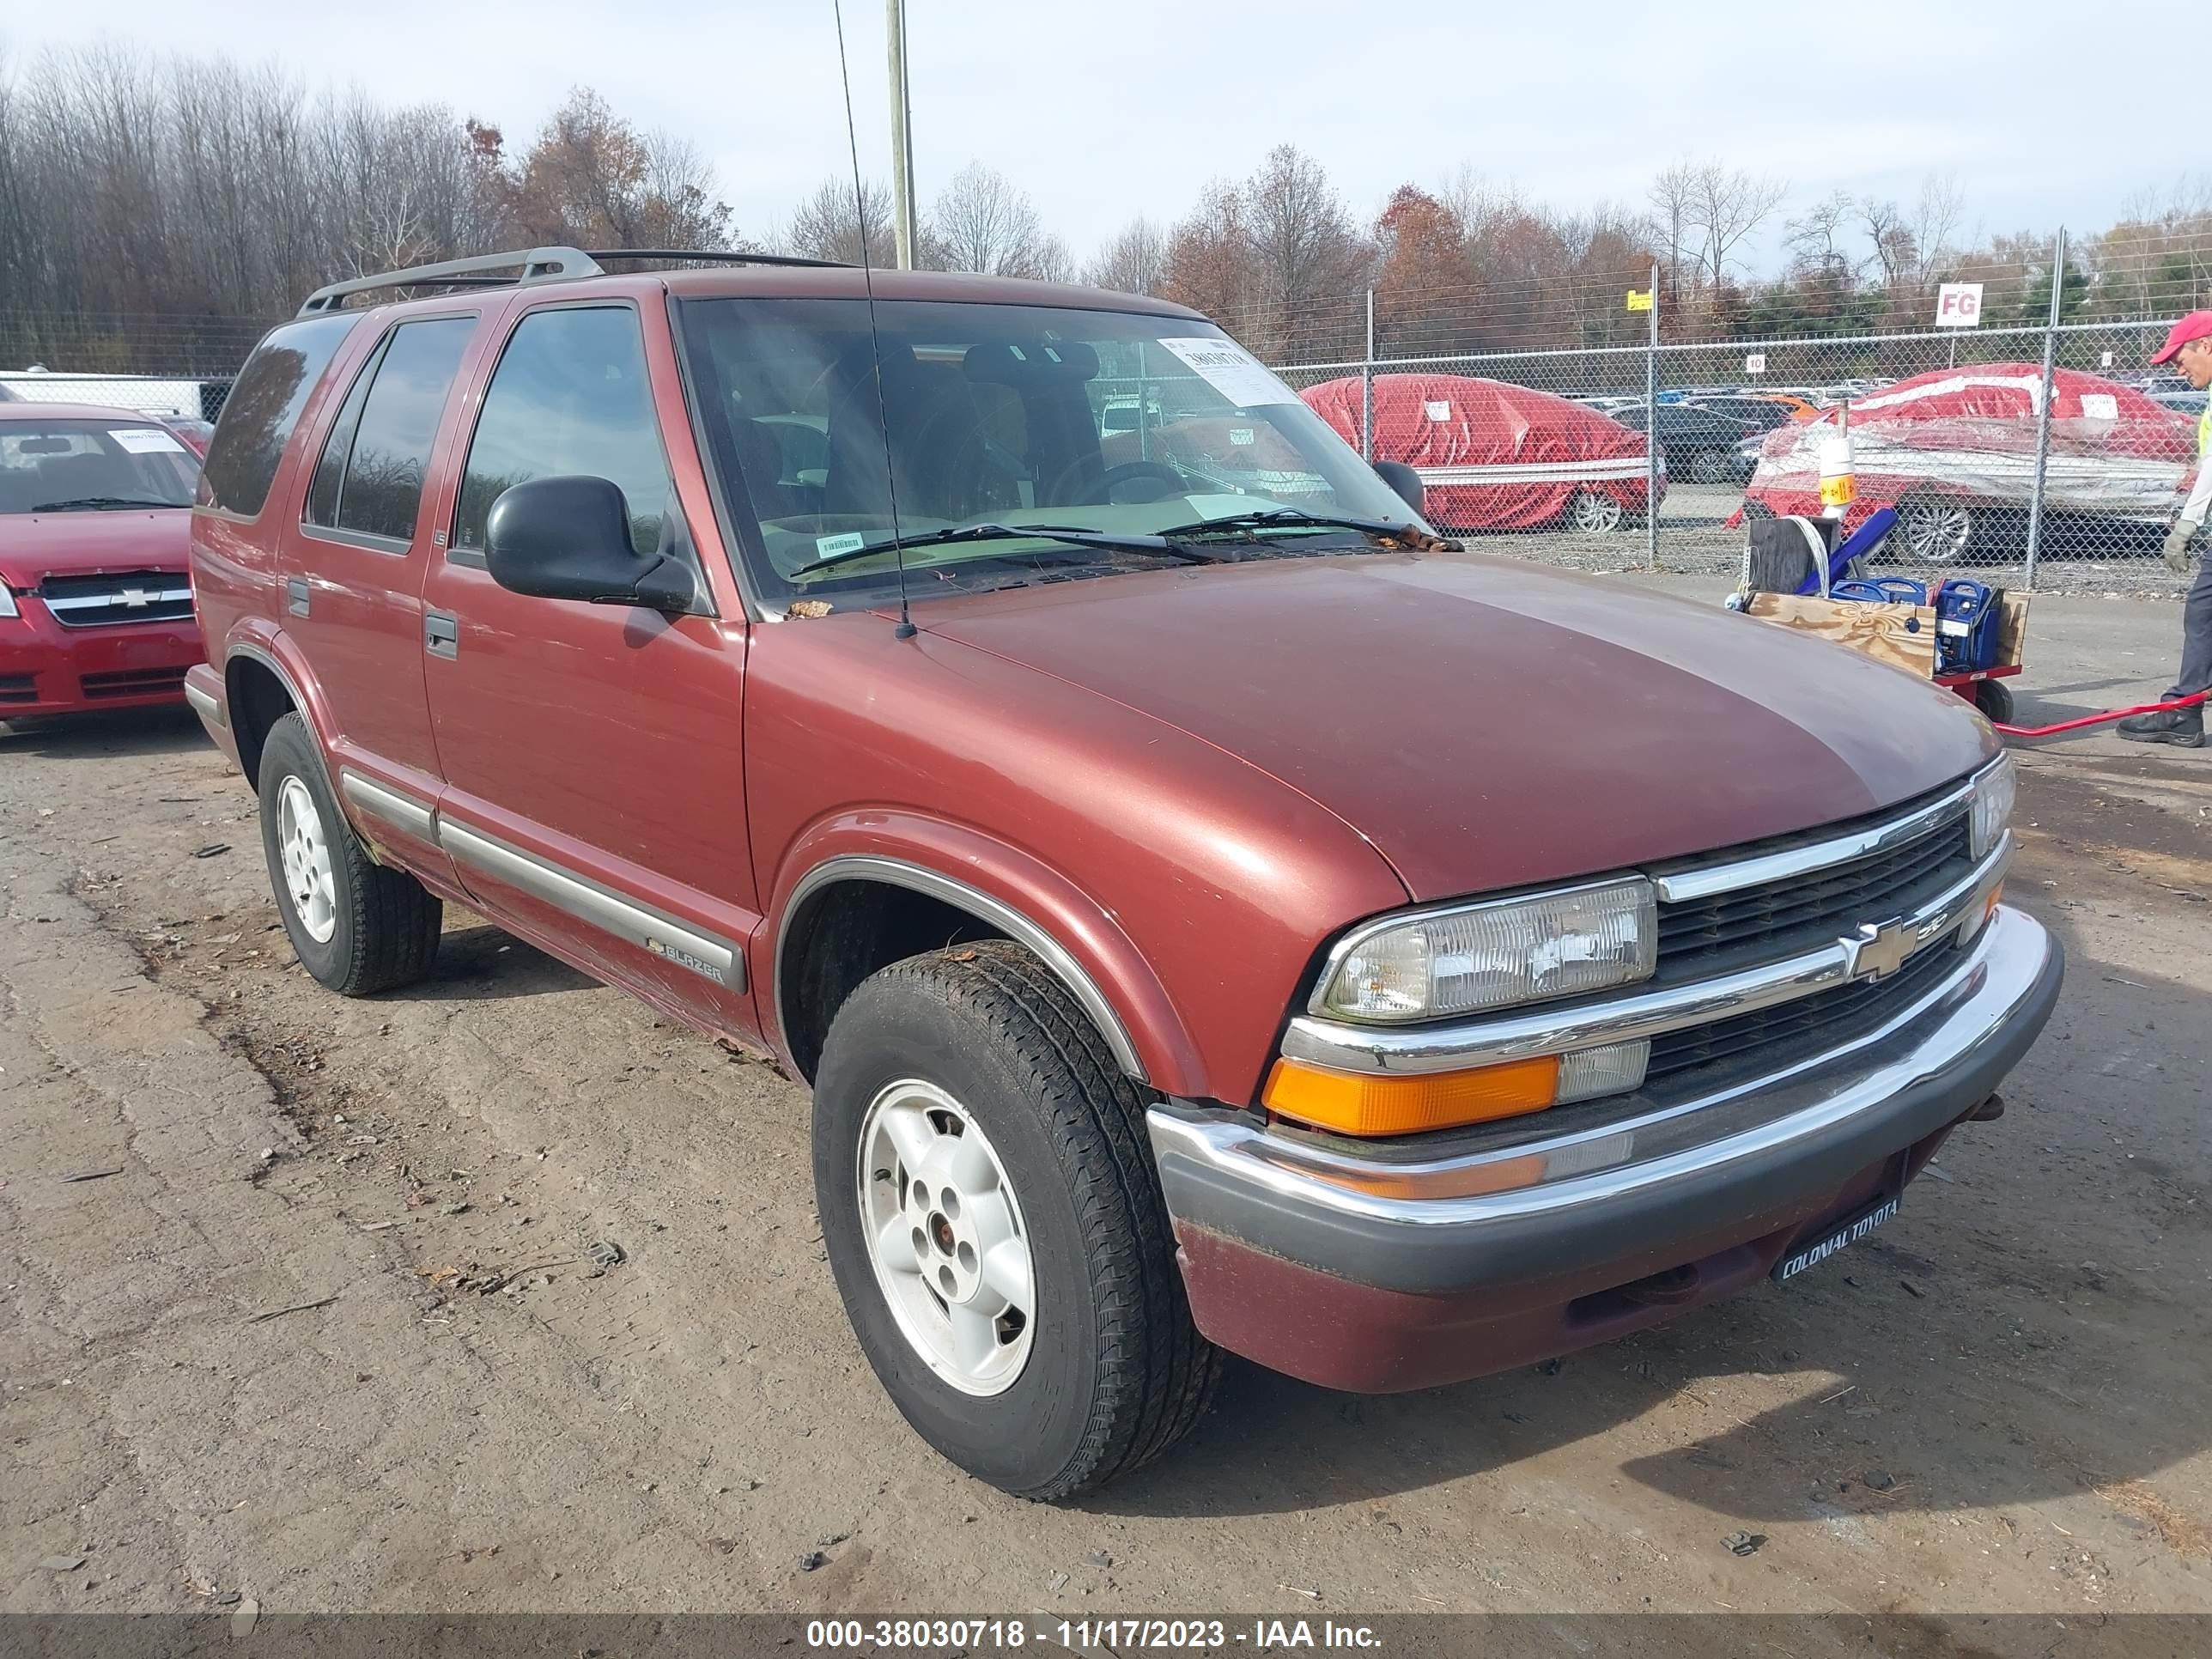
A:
[(569, 397)]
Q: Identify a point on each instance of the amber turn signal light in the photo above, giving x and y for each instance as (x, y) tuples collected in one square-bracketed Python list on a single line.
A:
[(1354, 1104)]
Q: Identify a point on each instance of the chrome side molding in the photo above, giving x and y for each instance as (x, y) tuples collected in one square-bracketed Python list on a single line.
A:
[(205, 704), (678, 942), (399, 810)]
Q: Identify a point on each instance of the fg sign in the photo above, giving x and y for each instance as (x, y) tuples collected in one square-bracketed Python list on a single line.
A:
[(1959, 304)]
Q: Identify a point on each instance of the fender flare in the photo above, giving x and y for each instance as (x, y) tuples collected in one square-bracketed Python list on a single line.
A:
[(1024, 898)]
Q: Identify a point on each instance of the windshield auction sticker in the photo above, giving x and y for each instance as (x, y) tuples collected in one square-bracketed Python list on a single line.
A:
[(1233, 372)]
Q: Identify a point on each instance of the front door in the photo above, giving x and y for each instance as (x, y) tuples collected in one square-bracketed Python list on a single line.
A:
[(593, 773)]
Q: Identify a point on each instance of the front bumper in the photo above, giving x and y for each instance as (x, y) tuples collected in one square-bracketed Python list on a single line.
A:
[(1376, 1269), (47, 669)]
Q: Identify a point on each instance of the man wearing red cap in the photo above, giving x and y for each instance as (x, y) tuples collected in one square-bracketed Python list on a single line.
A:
[(2189, 348)]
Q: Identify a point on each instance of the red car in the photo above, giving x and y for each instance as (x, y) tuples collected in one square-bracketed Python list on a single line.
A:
[(1496, 456), (95, 602), (1210, 910)]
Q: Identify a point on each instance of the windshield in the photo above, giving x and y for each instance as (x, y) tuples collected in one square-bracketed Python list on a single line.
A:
[(1103, 421), (59, 465)]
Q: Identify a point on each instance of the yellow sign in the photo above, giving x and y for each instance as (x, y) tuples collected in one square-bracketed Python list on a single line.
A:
[(1840, 491), (1639, 299)]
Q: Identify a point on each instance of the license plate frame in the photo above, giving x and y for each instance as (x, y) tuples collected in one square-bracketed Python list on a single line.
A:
[(1833, 1241)]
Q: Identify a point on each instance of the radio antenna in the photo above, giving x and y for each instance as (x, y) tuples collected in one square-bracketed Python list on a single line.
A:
[(905, 629)]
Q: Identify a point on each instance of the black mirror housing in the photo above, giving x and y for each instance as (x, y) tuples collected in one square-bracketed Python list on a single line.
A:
[(1404, 480), (569, 538)]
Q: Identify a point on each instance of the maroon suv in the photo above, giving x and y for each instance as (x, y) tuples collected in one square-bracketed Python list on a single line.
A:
[(95, 608), (1210, 913)]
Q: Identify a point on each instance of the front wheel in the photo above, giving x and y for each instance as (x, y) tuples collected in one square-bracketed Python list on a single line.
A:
[(1994, 699), (994, 1227), (1708, 466)]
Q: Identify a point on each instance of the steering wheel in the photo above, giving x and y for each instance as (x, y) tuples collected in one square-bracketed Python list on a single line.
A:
[(1101, 493)]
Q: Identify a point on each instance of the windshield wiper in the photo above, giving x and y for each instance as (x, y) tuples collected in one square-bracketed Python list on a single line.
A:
[(1297, 518), (76, 502), (1076, 535)]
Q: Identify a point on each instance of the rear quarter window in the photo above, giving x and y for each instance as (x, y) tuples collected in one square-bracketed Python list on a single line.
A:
[(263, 411)]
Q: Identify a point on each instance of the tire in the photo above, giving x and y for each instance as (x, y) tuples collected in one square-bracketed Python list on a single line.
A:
[(1933, 530), (1709, 466), (1994, 699), (1594, 513), (1104, 1371), (356, 926)]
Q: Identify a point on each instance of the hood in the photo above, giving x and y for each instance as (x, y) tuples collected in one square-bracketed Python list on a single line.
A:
[(1487, 723), (37, 545)]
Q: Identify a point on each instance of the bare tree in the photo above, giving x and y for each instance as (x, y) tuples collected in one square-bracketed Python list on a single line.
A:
[(1815, 238), (1133, 261), (1726, 206), (834, 224), (983, 222), (1671, 195)]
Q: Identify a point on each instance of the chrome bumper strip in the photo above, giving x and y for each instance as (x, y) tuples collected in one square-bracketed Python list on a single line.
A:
[(1391, 1050), (205, 704), (1976, 1014)]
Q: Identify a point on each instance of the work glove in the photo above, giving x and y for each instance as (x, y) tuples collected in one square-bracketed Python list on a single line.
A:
[(2178, 559)]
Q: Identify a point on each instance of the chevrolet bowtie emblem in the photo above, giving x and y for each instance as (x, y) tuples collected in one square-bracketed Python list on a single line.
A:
[(136, 597), (1876, 952)]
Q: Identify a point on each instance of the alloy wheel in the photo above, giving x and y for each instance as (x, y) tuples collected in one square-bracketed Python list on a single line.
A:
[(946, 1237), (306, 854)]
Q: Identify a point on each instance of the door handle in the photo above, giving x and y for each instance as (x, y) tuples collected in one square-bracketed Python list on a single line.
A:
[(295, 595), (441, 634)]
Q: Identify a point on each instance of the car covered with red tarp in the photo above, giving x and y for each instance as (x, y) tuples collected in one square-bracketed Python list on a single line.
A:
[(1954, 451), (1496, 455)]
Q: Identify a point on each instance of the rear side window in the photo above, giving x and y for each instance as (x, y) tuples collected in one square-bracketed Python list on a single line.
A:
[(263, 409), (369, 479), (569, 397)]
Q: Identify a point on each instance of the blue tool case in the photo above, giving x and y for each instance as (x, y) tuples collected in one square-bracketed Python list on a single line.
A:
[(1969, 618)]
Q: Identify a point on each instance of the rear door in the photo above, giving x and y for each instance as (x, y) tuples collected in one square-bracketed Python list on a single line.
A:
[(593, 773), (354, 578)]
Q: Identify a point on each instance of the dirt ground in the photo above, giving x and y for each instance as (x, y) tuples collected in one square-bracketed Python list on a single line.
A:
[(302, 1301)]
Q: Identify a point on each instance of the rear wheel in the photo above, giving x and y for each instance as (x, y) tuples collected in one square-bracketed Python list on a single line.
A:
[(1935, 529), (356, 926), (1591, 513), (1709, 466), (994, 1227), (1994, 699)]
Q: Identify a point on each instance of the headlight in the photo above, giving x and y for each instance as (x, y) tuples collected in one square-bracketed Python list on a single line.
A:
[(1493, 955), (1993, 796), (7, 601)]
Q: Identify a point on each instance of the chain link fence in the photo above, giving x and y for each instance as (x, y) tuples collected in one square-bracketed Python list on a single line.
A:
[(2043, 456), (2040, 457)]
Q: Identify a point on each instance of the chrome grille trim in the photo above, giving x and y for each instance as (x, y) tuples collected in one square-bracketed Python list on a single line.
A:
[(1616, 1016)]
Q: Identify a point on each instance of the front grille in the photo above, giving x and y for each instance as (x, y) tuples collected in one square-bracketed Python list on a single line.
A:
[(1826, 1019), (138, 596), (137, 683), (18, 688), (1717, 935)]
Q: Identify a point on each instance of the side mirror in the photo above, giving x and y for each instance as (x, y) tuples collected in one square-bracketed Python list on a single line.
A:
[(569, 538), (1403, 479)]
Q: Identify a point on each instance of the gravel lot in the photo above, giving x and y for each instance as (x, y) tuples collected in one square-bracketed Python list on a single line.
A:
[(249, 1343)]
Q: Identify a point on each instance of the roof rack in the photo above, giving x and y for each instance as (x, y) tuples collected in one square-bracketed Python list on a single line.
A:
[(528, 266)]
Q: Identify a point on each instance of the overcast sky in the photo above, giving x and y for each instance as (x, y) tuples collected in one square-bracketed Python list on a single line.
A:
[(1102, 109)]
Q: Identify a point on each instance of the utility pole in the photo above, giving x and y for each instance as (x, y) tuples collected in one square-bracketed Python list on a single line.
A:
[(1652, 431), (902, 137)]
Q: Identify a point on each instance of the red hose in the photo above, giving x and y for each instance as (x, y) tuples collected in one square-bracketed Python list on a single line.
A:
[(2100, 719)]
